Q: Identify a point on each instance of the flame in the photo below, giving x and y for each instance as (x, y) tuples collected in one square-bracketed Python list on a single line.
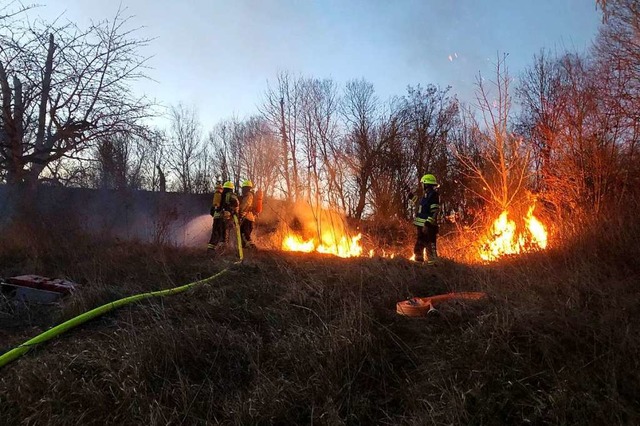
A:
[(383, 253), (506, 239), (335, 243), (330, 242)]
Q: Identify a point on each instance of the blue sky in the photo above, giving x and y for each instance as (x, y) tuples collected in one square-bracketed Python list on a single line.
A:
[(218, 55)]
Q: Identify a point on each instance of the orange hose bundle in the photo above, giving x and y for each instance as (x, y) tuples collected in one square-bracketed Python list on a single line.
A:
[(420, 306)]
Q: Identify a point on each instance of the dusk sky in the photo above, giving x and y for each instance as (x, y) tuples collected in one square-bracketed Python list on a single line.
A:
[(218, 55)]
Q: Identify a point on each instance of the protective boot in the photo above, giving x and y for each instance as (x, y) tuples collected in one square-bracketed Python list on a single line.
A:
[(418, 254), (432, 254), (248, 244)]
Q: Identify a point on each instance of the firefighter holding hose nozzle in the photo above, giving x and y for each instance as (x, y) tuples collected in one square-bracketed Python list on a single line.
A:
[(215, 213), (227, 208)]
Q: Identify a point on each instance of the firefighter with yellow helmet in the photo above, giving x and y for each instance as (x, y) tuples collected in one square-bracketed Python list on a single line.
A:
[(247, 213), (426, 221), (215, 212), (228, 207)]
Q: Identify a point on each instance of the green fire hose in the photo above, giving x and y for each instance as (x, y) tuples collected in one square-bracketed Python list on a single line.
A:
[(238, 236), (101, 310)]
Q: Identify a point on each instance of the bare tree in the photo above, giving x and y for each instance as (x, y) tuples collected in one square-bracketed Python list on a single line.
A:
[(463, 145), (113, 157), (282, 110), (582, 124), (185, 147), (226, 141), (587, 161), (370, 130), (359, 109), (62, 88), (429, 115), (618, 64), (217, 141), (155, 167), (319, 113), (391, 164), (12, 9), (260, 154), (542, 98), (503, 173)]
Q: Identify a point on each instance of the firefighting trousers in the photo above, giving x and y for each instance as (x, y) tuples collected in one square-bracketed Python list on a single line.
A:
[(216, 236), (219, 231), (426, 239), (246, 228)]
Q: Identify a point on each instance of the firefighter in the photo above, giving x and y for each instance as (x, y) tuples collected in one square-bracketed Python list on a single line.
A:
[(426, 222), (247, 213), (215, 213), (228, 207)]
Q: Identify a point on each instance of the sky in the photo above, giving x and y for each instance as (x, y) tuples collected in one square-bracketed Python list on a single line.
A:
[(219, 55)]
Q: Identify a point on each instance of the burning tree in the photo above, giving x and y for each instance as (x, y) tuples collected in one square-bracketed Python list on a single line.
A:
[(500, 167)]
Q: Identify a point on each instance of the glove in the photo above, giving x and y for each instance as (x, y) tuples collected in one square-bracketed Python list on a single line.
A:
[(212, 211)]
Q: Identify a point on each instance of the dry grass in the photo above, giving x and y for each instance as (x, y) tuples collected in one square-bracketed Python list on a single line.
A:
[(297, 339)]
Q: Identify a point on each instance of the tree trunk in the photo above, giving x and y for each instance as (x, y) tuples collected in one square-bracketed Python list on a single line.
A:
[(285, 150), (44, 143), (362, 196), (12, 136)]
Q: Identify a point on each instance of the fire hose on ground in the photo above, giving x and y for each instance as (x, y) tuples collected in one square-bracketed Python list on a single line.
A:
[(20, 350)]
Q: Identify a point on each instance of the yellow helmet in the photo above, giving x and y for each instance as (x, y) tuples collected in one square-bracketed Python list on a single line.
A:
[(429, 180), (248, 183), (228, 184)]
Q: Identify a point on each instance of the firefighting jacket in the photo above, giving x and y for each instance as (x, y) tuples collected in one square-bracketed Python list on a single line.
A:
[(246, 207), (229, 202), (428, 209)]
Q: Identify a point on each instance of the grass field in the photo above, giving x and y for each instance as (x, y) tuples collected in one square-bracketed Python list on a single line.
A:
[(291, 338)]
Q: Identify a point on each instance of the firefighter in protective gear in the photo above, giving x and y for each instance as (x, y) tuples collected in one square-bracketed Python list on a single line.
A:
[(215, 213), (425, 221), (228, 207), (247, 213)]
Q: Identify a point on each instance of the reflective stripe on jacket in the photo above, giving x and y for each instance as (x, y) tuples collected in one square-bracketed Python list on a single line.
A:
[(428, 209)]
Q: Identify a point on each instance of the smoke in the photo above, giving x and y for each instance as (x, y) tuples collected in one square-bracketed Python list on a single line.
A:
[(313, 221), (143, 216)]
